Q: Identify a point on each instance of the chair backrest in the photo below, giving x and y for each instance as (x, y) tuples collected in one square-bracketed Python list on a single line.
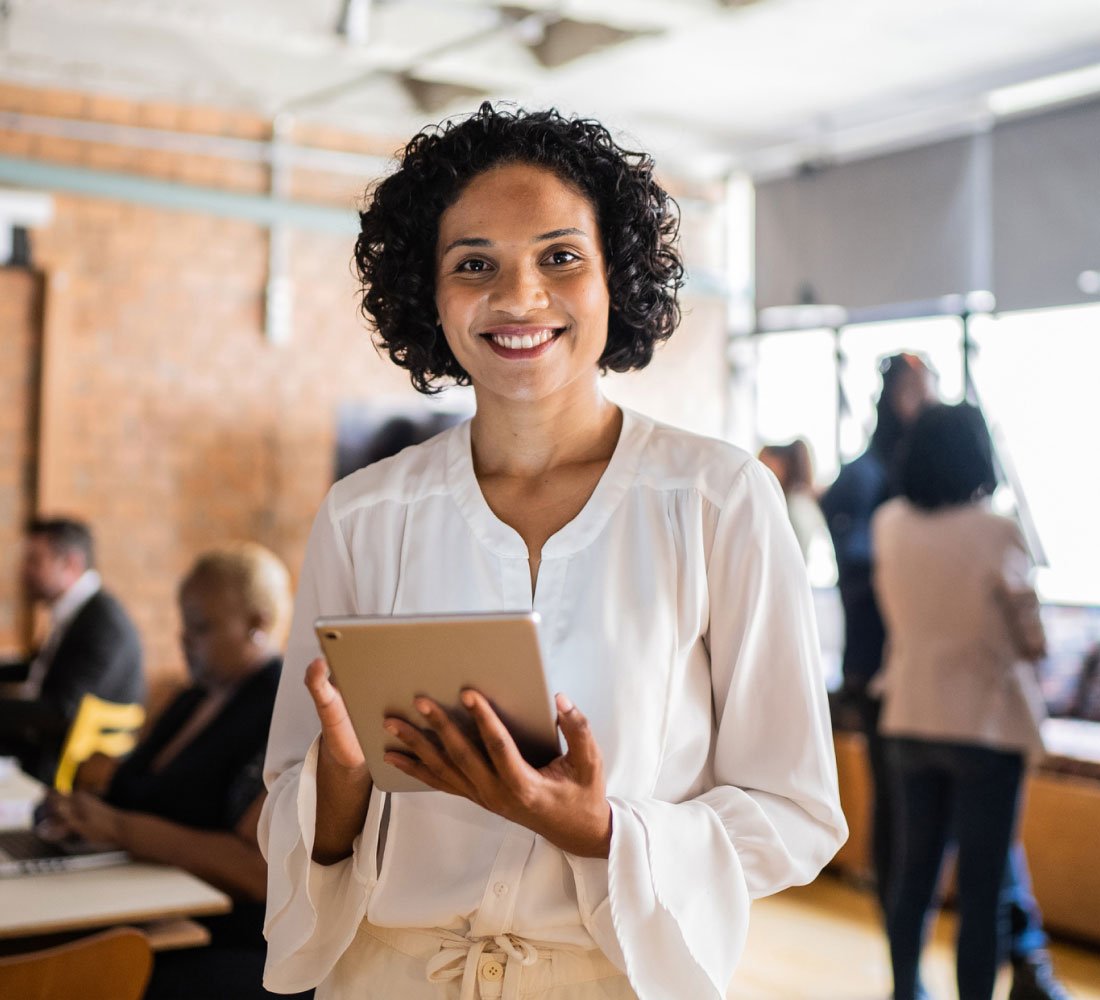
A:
[(112, 965), (99, 727)]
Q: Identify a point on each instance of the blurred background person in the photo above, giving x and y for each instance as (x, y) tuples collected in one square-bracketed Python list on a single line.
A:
[(793, 466), (908, 386), (92, 646), (961, 705), (190, 793)]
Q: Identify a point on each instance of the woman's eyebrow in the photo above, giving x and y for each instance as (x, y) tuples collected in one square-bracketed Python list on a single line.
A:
[(468, 241), (558, 233), (481, 241)]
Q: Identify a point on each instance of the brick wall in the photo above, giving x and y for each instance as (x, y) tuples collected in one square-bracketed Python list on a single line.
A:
[(168, 421), (20, 321)]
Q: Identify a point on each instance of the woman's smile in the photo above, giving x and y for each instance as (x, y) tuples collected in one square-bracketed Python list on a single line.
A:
[(522, 342)]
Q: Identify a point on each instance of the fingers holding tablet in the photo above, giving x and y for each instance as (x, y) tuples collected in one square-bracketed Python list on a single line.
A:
[(337, 732)]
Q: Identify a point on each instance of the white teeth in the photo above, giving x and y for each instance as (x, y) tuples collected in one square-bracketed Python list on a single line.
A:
[(525, 342)]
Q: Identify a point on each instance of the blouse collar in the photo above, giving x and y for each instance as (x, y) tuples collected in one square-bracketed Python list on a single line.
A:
[(579, 533)]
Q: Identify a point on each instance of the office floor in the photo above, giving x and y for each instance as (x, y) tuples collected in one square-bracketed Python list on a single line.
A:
[(822, 942)]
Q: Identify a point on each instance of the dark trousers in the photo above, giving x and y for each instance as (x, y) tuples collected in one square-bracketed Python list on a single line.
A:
[(1025, 919), (972, 793)]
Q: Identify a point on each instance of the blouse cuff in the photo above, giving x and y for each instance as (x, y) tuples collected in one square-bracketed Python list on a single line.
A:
[(313, 910), (673, 940)]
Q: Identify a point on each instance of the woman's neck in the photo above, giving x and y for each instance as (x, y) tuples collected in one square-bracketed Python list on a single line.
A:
[(528, 439)]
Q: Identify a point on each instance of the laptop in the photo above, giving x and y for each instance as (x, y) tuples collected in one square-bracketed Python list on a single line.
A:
[(24, 852)]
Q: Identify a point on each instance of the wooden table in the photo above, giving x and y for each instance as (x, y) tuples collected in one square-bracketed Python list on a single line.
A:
[(157, 898), (133, 893)]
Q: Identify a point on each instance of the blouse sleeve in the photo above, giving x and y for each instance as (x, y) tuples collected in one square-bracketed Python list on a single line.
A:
[(313, 911), (681, 875)]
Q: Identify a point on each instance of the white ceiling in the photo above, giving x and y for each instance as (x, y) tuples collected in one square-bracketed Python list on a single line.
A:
[(709, 86)]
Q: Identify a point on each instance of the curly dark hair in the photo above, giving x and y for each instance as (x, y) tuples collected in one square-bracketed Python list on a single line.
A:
[(395, 251)]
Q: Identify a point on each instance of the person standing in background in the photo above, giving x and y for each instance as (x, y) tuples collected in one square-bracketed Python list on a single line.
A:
[(908, 388), (793, 466), (962, 706), (92, 646)]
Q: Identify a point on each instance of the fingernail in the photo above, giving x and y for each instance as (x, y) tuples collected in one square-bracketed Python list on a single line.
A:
[(390, 728), (564, 704), (468, 699), (423, 706)]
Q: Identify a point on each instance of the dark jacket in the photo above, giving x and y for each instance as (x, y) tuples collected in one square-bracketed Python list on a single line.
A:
[(99, 653), (848, 504)]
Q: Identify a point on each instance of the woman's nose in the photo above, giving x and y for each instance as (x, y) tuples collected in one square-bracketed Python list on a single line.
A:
[(519, 290)]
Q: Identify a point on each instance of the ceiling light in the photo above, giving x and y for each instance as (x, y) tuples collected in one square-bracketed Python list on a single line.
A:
[(1046, 90)]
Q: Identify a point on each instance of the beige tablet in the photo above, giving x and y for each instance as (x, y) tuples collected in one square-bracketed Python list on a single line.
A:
[(382, 663)]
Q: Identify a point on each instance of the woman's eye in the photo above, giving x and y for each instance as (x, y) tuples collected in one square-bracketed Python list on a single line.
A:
[(473, 266), (563, 257)]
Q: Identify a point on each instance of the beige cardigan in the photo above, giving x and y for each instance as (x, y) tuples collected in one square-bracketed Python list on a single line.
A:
[(951, 671)]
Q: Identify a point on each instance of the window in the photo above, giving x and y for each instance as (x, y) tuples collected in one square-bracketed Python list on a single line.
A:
[(1036, 374), (796, 394)]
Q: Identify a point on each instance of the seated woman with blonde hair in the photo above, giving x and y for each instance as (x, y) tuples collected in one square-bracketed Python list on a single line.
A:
[(190, 793)]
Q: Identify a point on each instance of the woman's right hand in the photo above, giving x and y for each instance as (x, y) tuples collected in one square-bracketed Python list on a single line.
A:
[(338, 740), (343, 780)]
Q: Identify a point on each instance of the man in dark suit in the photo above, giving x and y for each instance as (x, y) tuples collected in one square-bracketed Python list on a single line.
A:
[(92, 646)]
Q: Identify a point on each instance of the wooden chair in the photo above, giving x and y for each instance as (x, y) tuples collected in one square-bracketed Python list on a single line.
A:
[(112, 965), (99, 727)]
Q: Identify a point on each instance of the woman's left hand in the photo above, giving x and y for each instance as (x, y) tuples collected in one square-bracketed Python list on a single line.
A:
[(564, 802), (91, 818)]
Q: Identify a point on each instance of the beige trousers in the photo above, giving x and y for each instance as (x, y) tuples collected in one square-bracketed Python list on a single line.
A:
[(383, 963)]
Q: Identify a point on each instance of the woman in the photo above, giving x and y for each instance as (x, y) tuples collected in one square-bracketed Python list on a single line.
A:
[(908, 386), (792, 464), (190, 793), (962, 707), (524, 253)]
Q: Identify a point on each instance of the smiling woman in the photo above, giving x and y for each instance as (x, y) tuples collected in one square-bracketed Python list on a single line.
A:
[(523, 254), (520, 279), (635, 229)]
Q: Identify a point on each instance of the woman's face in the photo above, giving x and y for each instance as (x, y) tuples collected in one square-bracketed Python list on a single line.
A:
[(215, 635), (914, 392), (521, 283)]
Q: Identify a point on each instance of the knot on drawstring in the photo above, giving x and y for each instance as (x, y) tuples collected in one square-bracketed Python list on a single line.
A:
[(458, 957)]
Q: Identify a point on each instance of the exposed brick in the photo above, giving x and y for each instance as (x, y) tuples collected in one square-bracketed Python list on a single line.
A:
[(171, 423), (108, 108)]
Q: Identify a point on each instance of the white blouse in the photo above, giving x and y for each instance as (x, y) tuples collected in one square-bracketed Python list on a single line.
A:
[(676, 615)]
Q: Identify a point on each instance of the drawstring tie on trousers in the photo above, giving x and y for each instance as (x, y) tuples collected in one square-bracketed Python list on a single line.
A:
[(460, 957)]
